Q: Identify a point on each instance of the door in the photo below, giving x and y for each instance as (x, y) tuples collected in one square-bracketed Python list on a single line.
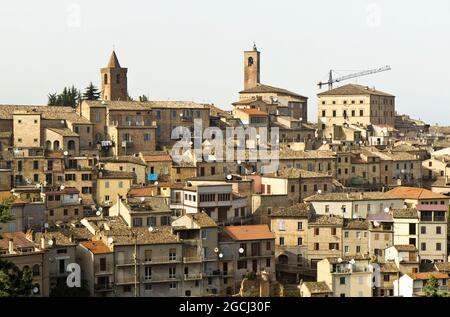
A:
[(225, 268), (255, 266), (223, 214)]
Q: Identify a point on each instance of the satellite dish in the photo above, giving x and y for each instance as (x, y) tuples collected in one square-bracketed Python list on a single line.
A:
[(376, 223), (50, 242), (216, 250), (241, 250), (339, 260), (352, 261), (229, 177), (156, 183), (239, 162), (100, 209), (386, 210), (66, 153), (46, 225), (151, 229), (98, 213), (324, 142), (319, 191), (142, 199), (110, 240), (35, 290), (220, 255), (62, 187)]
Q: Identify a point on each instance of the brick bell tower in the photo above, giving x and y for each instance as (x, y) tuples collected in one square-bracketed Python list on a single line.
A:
[(251, 68), (114, 80)]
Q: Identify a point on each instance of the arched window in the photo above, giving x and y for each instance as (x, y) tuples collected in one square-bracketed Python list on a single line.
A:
[(118, 78), (48, 145), (105, 79), (250, 61), (36, 270), (56, 145), (71, 145)]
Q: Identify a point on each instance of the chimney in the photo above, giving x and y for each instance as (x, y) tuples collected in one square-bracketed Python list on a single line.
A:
[(71, 238), (11, 246)]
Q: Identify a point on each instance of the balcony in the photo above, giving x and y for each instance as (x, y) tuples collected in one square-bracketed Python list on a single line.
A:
[(104, 287), (160, 278), (192, 259), (193, 276), (162, 260)]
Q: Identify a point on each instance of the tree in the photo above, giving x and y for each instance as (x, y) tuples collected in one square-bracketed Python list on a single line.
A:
[(143, 98), (431, 287), (13, 281), (69, 97), (63, 290), (91, 93)]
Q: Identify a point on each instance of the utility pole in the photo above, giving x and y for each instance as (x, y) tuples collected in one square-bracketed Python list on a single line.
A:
[(135, 265)]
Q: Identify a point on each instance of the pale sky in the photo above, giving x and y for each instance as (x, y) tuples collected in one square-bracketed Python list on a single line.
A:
[(192, 50)]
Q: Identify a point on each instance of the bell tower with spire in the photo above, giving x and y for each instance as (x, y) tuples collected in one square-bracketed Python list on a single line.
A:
[(114, 80), (251, 68)]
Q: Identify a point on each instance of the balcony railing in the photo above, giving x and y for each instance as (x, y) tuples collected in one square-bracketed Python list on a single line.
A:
[(162, 260), (103, 287), (193, 276)]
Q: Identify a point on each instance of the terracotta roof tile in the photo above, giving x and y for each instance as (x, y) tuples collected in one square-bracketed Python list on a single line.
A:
[(251, 232), (96, 247)]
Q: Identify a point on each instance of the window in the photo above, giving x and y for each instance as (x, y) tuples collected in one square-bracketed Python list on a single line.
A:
[(346, 234), (423, 230), (316, 246), (106, 184), (361, 113), (316, 231), (146, 137), (268, 246), (267, 262), (299, 225), (438, 246), (299, 241), (35, 165), (151, 221), (65, 212), (438, 230), (204, 234), (172, 272), (36, 270), (281, 241), (242, 265), (327, 209), (342, 280), (172, 254), (346, 249), (423, 246), (333, 231), (148, 255), (172, 285), (137, 222), (412, 228), (282, 226), (102, 264), (148, 273)]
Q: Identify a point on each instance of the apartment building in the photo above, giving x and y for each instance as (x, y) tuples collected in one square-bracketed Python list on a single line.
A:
[(353, 205), (290, 227), (297, 184), (354, 105), (63, 204), (312, 161), (412, 284), (324, 238), (246, 250), (405, 257), (23, 253), (97, 266), (346, 277), (388, 274), (315, 289), (355, 239), (111, 185), (217, 199), (132, 164), (381, 234)]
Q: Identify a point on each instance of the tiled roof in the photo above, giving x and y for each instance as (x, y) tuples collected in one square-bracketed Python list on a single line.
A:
[(353, 90), (326, 220), (405, 247), (287, 153), (253, 112), (65, 132), (250, 232), (317, 287), (164, 157), (113, 61), (405, 213), (146, 191), (381, 217), (388, 267), (123, 159), (47, 112), (352, 196), (60, 238), (145, 105), (297, 211), (202, 220), (427, 275), (105, 174), (150, 204), (442, 266), (96, 247), (19, 239), (262, 89), (356, 224), (414, 193), (6, 196), (297, 173)]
